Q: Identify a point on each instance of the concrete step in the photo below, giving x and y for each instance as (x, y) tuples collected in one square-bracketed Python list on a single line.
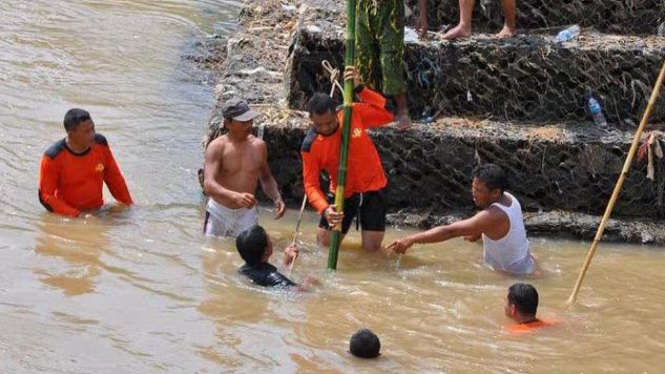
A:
[(527, 78), (568, 167), (612, 16)]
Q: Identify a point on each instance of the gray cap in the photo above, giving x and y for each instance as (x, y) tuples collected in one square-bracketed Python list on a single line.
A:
[(238, 110)]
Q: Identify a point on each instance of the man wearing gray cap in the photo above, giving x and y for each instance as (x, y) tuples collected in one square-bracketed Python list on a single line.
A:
[(234, 164)]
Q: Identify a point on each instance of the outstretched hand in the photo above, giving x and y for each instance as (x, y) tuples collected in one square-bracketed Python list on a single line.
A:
[(400, 245)]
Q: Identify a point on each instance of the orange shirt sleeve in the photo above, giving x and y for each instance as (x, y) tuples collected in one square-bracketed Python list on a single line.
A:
[(372, 109), (311, 172), (49, 174), (115, 181)]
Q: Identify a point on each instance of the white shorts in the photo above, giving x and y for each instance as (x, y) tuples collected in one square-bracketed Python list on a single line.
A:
[(222, 221)]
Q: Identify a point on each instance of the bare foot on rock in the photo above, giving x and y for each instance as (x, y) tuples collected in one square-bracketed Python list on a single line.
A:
[(459, 32), (506, 33), (403, 122)]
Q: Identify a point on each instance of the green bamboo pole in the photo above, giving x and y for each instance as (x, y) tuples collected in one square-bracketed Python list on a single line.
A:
[(350, 60)]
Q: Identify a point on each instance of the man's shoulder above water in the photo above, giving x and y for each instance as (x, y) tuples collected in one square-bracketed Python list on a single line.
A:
[(266, 275), (61, 145)]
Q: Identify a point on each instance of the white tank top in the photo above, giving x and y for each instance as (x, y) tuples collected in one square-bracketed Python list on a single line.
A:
[(510, 253)]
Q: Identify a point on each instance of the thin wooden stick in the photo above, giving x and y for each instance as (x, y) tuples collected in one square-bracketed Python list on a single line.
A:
[(617, 188), (295, 235)]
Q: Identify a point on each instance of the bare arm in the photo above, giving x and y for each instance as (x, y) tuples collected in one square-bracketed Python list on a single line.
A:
[(472, 227), (268, 182), (422, 23)]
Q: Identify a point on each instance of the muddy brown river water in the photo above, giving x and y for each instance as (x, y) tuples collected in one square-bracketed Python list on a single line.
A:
[(141, 291)]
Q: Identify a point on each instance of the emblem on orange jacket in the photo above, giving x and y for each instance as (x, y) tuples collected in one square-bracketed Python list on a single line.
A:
[(356, 133), (99, 168)]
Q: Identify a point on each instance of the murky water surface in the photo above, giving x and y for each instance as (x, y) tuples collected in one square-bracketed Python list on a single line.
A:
[(142, 291)]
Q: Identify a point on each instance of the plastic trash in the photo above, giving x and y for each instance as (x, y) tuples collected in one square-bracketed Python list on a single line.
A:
[(568, 34), (597, 112), (426, 116)]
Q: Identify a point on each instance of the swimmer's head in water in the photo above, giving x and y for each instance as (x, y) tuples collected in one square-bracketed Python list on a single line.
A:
[(521, 301), (323, 114), (254, 245), (489, 182), (80, 127), (365, 344)]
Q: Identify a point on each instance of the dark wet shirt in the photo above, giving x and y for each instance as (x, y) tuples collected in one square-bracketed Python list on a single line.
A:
[(266, 275)]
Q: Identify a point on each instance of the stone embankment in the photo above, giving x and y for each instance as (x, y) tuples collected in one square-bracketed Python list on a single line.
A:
[(519, 103)]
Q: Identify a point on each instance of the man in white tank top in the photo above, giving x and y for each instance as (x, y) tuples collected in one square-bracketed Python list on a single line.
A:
[(499, 224)]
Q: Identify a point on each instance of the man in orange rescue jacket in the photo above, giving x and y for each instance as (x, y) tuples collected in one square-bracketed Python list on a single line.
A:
[(366, 179), (74, 169)]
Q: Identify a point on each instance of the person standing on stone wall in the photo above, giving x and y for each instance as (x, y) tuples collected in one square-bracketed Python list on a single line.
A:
[(380, 49), (463, 29)]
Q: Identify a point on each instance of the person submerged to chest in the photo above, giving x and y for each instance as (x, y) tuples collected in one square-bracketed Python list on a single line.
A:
[(73, 170)]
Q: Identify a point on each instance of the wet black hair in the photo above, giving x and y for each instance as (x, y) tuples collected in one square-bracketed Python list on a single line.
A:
[(321, 104), (74, 117), (525, 298), (492, 176), (365, 344), (251, 244)]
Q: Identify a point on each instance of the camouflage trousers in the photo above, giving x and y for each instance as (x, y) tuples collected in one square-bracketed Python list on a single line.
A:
[(380, 45)]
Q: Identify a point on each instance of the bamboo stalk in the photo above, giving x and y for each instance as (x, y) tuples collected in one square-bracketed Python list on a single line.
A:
[(349, 60), (617, 188)]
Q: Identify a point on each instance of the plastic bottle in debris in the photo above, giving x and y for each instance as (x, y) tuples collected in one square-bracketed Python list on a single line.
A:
[(568, 34), (597, 112), (426, 117)]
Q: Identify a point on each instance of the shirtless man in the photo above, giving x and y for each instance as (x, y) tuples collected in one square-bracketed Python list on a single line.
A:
[(234, 164), (463, 29), (499, 224)]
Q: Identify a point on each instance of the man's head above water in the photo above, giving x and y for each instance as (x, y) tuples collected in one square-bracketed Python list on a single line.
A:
[(522, 302), (489, 183), (254, 245), (80, 129), (365, 344), (238, 117), (323, 114)]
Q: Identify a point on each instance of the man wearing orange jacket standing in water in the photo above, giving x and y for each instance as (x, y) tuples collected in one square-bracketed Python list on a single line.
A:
[(366, 179), (74, 169)]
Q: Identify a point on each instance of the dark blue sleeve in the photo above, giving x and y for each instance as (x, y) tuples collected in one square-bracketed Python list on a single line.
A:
[(277, 279), (266, 275)]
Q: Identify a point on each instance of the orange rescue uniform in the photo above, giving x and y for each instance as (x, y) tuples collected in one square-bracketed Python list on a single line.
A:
[(524, 328), (71, 182), (321, 153)]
